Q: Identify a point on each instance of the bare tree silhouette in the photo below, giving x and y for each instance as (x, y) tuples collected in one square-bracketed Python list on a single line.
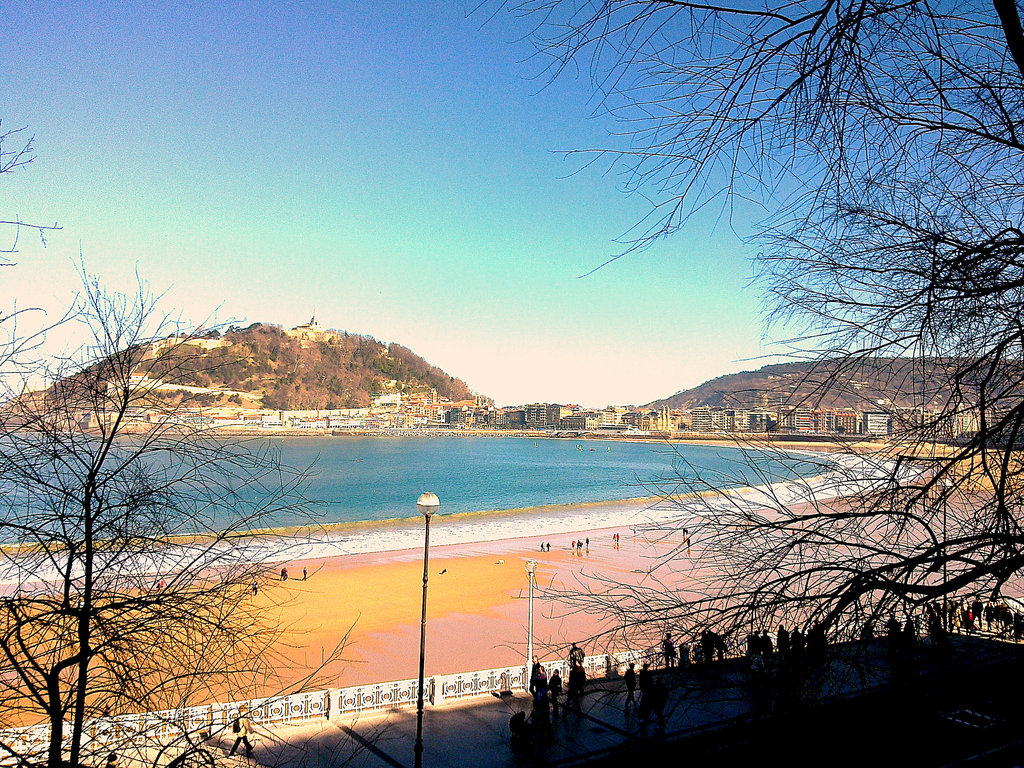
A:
[(883, 140), (129, 543)]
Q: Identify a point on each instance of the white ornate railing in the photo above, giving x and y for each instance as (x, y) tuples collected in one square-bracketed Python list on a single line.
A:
[(167, 725), (390, 695)]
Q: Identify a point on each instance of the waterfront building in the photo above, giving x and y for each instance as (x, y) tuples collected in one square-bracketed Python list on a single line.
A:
[(515, 418), (612, 415), (847, 422), (723, 420), (542, 415), (803, 420), (785, 419), (581, 421), (877, 423), (701, 418)]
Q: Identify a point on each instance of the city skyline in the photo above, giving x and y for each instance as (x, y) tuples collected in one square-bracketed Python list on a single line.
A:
[(396, 171)]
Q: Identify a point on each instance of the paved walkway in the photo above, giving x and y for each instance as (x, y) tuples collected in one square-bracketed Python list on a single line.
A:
[(701, 700)]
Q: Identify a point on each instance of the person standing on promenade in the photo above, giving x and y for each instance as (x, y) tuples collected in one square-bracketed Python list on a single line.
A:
[(669, 650), (575, 656), (659, 698), (554, 691), (645, 681), (782, 641), (534, 674), (577, 682), (630, 678), (540, 718)]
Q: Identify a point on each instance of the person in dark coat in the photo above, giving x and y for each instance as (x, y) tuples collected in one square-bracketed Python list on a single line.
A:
[(575, 656), (534, 670), (782, 641), (659, 698), (630, 678), (577, 682), (554, 691), (668, 649), (645, 680), (540, 718)]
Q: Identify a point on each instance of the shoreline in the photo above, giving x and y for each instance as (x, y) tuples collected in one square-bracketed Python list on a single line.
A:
[(477, 602)]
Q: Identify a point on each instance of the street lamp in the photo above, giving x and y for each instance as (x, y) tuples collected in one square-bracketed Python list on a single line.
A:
[(427, 504), (948, 483), (531, 571)]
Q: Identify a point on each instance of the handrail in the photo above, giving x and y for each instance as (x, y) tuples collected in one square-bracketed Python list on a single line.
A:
[(323, 704)]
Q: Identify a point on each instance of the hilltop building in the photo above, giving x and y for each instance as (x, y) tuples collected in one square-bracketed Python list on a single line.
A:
[(311, 332)]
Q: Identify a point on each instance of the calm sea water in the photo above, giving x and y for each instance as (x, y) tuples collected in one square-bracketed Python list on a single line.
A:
[(380, 478)]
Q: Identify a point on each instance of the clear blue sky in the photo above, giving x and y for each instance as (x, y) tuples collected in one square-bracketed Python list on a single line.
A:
[(394, 166)]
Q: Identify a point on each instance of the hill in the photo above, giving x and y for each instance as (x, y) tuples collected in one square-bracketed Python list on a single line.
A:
[(867, 383), (267, 367)]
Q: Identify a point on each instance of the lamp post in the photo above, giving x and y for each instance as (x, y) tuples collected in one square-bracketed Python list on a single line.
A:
[(531, 571), (948, 483), (427, 504)]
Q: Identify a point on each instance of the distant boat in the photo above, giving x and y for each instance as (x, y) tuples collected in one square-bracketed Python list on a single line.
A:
[(593, 449)]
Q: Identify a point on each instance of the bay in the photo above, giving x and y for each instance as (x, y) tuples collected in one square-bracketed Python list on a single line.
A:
[(380, 478)]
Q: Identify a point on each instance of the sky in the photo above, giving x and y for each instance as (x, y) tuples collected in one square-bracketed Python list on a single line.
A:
[(397, 168)]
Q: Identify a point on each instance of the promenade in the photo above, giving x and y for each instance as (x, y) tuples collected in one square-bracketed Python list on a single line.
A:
[(947, 706)]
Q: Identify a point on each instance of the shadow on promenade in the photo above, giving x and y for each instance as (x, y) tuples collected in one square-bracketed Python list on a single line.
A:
[(862, 704)]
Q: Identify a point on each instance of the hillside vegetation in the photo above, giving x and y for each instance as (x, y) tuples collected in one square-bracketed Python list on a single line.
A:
[(281, 372), (876, 381)]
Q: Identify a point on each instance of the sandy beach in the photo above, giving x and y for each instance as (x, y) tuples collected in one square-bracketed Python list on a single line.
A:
[(477, 596), (477, 605)]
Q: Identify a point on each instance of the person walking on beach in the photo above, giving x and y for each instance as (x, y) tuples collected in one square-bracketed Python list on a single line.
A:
[(241, 728), (303, 574), (255, 587), (630, 678), (284, 574)]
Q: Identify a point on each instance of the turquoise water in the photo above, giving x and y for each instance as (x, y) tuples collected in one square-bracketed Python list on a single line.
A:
[(374, 478)]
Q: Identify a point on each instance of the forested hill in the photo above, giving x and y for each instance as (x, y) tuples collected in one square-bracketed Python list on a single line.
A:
[(281, 371), (822, 385)]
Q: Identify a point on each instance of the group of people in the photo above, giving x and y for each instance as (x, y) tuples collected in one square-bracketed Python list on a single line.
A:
[(996, 617), (788, 646), (653, 694), (545, 691)]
